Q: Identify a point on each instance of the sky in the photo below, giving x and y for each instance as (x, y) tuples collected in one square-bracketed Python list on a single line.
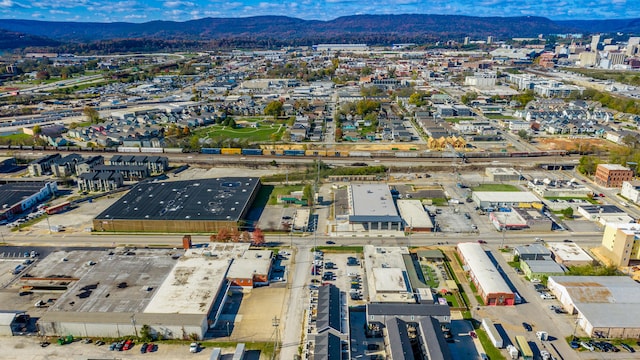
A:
[(183, 10)]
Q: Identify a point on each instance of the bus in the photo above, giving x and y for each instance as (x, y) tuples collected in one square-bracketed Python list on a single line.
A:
[(524, 348)]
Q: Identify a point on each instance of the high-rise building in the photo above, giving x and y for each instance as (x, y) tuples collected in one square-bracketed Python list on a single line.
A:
[(633, 45), (466, 40), (489, 39), (622, 242), (595, 40)]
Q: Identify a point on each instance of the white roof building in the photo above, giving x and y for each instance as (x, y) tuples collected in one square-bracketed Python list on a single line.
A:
[(490, 283), (414, 216)]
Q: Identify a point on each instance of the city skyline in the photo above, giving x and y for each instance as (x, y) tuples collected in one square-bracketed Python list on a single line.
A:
[(183, 10)]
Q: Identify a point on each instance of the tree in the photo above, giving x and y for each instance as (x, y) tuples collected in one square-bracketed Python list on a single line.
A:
[(37, 130), (588, 165), (523, 134), (307, 193), (274, 109), (417, 99), (568, 212), (468, 97), (43, 75), (223, 235), (145, 333), (92, 114), (257, 237)]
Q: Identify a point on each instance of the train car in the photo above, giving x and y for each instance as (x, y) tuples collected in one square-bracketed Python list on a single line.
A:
[(276, 152), (110, 149), (128, 149), (340, 154), (230, 151), (406, 154), (519, 154), (292, 152), (211, 151), (173, 150), (151, 150), (252, 152), (366, 154), (38, 147), (27, 147), (315, 153)]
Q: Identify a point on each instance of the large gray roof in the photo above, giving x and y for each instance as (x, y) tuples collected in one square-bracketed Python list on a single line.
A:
[(328, 316), (372, 201), (221, 199)]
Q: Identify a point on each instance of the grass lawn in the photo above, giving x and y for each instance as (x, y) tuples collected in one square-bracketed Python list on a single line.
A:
[(439, 201), (489, 349), (340, 249), (281, 190), (499, 116), (430, 276), (18, 138), (260, 134), (496, 187)]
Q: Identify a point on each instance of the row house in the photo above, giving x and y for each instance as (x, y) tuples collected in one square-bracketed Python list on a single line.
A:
[(100, 181), (128, 172), (155, 164), (43, 165)]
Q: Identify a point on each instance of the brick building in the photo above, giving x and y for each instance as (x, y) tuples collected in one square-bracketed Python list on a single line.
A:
[(612, 175)]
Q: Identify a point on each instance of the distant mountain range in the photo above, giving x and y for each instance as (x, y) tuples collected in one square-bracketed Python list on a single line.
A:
[(371, 29)]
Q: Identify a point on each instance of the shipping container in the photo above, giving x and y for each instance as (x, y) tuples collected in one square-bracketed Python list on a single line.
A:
[(230, 151), (128, 149), (251, 151), (294, 152), (58, 208), (492, 333), (173, 150), (360, 154), (315, 152), (211, 151), (239, 353)]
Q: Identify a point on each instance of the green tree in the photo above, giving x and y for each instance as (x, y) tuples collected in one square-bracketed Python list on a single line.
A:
[(274, 109), (588, 165), (523, 134), (145, 333), (468, 97), (568, 212), (92, 114), (307, 194), (37, 130), (417, 99)]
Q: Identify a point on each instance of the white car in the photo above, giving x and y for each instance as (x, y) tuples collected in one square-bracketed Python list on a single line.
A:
[(194, 347)]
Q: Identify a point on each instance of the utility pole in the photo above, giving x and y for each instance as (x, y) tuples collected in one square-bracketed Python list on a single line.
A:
[(275, 322)]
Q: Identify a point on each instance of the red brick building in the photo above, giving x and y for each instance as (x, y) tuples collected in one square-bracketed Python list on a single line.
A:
[(612, 175)]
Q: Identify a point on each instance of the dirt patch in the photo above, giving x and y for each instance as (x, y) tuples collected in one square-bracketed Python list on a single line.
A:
[(569, 144)]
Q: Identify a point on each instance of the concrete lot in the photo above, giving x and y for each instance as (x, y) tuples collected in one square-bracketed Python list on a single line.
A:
[(250, 315)]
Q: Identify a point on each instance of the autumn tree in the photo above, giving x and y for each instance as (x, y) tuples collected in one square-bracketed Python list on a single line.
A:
[(257, 237), (274, 109), (223, 235)]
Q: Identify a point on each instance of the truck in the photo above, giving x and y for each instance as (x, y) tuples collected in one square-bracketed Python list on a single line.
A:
[(216, 354), (513, 352)]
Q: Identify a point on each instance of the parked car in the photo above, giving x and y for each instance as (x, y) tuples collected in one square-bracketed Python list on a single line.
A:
[(628, 348), (481, 242), (527, 326), (143, 348), (127, 344), (194, 347)]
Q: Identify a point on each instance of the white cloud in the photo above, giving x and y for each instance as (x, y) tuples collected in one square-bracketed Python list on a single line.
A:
[(178, 3)]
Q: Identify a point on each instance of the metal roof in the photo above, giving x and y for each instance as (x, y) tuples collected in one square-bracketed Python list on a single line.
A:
[(413, 214), (388, 309), (506, 196), (433, 339), (220, 199), (372, 200), (483, 269), (399, 342), (328, 316), (328, 347)]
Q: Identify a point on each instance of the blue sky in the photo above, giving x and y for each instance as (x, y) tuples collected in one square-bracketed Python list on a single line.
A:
[(181, 10)]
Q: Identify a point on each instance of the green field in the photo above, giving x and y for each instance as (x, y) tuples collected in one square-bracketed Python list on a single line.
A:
[(499, 117), (496, 187), (260, 134), (281, 190)]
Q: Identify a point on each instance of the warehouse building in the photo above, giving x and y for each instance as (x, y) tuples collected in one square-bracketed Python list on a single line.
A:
[(569, 254), (605, 305), (19, 197), (177, 293), (521, 219), (502, 174), (251, 270), (414, 216), (388, 279), (201, 206), (505, 199), (371, 206), (491, 286)]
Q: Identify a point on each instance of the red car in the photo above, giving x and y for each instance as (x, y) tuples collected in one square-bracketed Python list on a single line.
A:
[(481, 242), (152, 347), (128, 345)]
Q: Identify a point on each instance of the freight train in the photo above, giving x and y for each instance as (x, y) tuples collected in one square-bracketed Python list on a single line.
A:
[(299, 153)]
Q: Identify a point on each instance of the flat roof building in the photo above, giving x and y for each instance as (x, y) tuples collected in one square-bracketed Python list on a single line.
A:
[(389, 280), (113, 294), (605, 305), (414, 216), (502, 174), (622, 243), (205, 205), (491, 286), (569, 254), (505, 199), (372, 206), (251, 270), (612, 175)]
